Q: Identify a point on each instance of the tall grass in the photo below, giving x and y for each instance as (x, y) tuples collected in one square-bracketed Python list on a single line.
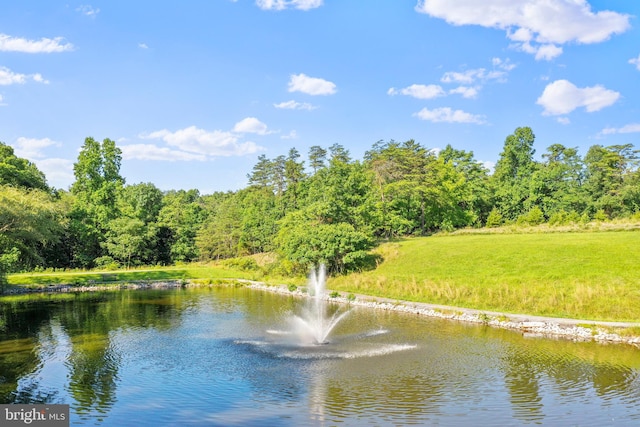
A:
[(582, 275)]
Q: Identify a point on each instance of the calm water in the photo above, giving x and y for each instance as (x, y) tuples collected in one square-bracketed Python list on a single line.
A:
[(208, 357)]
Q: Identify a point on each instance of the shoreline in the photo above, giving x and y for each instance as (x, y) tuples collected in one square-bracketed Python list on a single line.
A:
[(529, 325)]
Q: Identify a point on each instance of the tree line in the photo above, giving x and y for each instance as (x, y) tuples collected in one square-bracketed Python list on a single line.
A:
[(330, 209)]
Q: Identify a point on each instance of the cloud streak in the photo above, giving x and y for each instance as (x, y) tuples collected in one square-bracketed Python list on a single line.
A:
[(8, 77), (294, 105), (44, 45), (448, 115), (419, 91), (288, 4)]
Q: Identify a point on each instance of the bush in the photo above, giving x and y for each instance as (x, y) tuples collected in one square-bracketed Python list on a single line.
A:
[(106, 263), (600, 216), (494, 219), (242, 264), (533, 217)]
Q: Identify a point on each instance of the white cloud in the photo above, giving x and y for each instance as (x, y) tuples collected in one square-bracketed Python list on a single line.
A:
[(636, 62), (291, 135), (477, 77), (88, 10), (143, 46), (31, 148), (419, 91), (59, 172), (44, 45), (489, 165), (448, 115), (294, 105), (465, 91), (479, 74), (563, 120), (466, 77), (562, 97), (504, 64), (251, 125), (288, 4), (200, 141), (153, 152), (2, 104), (630, 128), (311, 85), (8, 77), (548, 52), (38, 78), (536, 26)]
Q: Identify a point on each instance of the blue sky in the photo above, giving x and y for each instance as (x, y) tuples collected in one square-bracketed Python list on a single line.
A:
[(194, 91)]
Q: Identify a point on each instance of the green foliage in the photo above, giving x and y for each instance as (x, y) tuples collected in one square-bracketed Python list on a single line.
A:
[(242, 264), (340, 246), (533, 217), (513, 173), (30, 221), (334, 211), (96, 189), (600, 215), (181, 216), (494, 219), (18, 172)]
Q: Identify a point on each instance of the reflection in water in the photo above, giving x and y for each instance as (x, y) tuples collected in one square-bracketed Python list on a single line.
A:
[(205, 357)]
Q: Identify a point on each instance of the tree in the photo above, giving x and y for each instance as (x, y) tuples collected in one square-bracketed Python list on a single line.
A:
[(305, 243), (125, 239), (182, 214), (29, 221), (219, 236), (317, 157), (294, 176), (513, 172), (607, 171), (556, 186), (96, 189), (134, 236), (476, 198), (19, 172)]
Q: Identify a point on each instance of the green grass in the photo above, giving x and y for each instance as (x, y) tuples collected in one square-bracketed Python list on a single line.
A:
[(581, 275), (80, 278)]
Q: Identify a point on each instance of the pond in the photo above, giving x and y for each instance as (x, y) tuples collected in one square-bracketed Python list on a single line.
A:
[(214, 357)]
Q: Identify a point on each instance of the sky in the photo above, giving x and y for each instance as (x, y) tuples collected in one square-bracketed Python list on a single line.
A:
[(194, 91)]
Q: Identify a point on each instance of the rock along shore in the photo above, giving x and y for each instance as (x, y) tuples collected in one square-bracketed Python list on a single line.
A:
[(531, 326), (572, 329)]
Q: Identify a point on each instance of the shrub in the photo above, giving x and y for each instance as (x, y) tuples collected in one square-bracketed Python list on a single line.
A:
[(106, 263), (533, 217), (243, 264), (494, 219)]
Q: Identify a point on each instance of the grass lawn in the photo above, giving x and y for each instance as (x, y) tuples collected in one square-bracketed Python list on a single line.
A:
[(190, 271), (582, 275)]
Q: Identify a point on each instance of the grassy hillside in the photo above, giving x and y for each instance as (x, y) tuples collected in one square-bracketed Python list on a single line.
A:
[(584, 275)]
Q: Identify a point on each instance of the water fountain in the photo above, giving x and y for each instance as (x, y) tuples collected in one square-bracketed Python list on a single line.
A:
[(311, 333), (315, 324)]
